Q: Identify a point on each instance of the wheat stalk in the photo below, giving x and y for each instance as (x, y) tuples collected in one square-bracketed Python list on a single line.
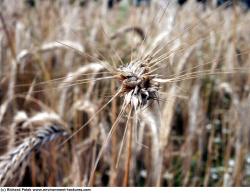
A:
[(47, 126)]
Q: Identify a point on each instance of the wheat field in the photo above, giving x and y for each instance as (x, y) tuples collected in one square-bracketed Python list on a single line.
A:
[(151, 95)]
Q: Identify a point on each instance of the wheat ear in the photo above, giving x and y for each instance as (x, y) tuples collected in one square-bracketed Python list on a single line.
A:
[(47, 130)]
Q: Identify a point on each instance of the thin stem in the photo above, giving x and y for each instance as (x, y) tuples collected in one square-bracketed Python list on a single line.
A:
[(129, 154)]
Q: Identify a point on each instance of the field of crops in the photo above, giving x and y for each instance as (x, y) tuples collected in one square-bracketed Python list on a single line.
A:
[(150, 95)]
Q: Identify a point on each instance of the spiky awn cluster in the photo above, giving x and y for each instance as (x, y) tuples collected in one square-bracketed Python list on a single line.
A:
[(138, 86)]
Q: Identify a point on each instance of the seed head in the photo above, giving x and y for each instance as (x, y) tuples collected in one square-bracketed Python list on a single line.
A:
[(137, 84)]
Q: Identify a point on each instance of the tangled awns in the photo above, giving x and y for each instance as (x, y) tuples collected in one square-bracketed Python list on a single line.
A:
[(153, 95)]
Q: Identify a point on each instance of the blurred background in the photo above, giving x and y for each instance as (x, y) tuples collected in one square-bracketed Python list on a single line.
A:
[(52, 81)]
